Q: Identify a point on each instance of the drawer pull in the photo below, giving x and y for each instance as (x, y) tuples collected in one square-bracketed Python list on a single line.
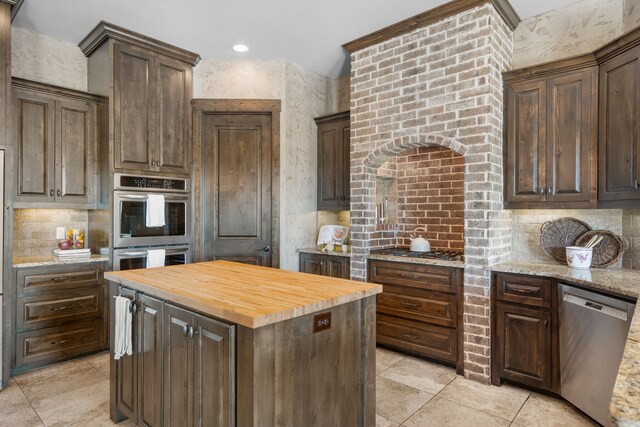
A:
[(61, 278), (522, 290), (60, 342), (412, 337), (409, 276), (410, 304), (64, 307)]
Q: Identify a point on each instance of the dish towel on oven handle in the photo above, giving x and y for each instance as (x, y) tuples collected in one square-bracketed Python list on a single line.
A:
[(155, 210), (155, 258), (124, 319)]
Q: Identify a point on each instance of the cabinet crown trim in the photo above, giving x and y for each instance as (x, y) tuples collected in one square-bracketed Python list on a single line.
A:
[(19, 83), (336, 116), (105, 31)]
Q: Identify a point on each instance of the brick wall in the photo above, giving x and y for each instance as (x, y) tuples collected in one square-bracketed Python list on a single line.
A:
[(430, 184), (438, 85)]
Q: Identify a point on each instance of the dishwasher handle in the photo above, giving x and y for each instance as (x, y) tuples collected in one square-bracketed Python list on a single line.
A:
[(589, 304)]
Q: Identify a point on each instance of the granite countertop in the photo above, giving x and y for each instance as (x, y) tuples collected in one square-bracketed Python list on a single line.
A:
[(318, 250), (426, 261), (248, 295), (625, 402), (43, 261)]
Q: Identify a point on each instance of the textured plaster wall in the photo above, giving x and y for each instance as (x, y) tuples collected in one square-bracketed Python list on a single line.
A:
[(631, 15), (304, 95), (568, 31), (44, 59)]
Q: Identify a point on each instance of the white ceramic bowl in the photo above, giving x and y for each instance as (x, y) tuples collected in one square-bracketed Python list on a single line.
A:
[(579, 257)]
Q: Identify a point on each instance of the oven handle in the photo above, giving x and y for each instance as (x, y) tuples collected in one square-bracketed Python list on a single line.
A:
[(145, 253), (144, 197)]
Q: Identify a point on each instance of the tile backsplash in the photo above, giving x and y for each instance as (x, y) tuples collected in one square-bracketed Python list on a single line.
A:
[(525, 245), (34, 230), (631, 232)]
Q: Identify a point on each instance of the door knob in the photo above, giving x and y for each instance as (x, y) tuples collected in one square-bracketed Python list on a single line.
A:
[(266, 249)]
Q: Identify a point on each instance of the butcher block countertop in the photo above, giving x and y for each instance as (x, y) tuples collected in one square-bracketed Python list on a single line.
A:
[(248, 295)]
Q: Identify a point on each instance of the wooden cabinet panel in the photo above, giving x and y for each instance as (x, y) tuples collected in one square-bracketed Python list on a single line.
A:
[(312, 263), (173, 104), (58, 343), (526, 141), (535, 291), (35, 281), (619, 127), (334, 161), (550, 138), (439, 309), (571, 138), (214, 377), (34, 125), (337, 266), (74, 151), (422, 338), (524, 345), (126, 369), (178, 367), (149, 323), (414, 275), (60, 307)]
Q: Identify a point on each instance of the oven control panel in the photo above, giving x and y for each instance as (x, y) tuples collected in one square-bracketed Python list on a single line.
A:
[(150, 183)]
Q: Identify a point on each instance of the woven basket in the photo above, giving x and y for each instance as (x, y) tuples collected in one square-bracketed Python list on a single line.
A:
[(605, 253), (556, 235)]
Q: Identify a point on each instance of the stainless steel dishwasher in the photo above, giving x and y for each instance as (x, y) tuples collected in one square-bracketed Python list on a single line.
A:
[(593, 333)]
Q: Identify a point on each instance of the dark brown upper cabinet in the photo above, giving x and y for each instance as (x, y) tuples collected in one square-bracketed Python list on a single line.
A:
[(551, 138), (150, 89), (56, 133), (334, 167), (620, 129)]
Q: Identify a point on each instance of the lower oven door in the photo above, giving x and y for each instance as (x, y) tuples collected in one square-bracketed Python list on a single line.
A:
[(129, 221), (134, 258)]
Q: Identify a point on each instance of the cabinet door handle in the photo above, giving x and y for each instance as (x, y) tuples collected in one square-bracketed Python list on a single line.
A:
[(542, 190), (185, 329), (413, 337), (58, 193), (550, 191), (133, 308), (410, 304), (64, 307), (522, 290), (51, 192), (546, 323), (409, 276), (192, 332), (635, 184)]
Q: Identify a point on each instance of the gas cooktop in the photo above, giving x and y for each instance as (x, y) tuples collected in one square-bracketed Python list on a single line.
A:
[(405, 252)]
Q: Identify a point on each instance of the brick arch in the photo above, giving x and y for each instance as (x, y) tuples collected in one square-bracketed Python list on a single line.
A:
[(392, 148)]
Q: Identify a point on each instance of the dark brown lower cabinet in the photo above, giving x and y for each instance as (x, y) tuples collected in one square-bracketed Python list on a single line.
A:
[(181, 371), (419, 309), (325, 265), (524, 345)]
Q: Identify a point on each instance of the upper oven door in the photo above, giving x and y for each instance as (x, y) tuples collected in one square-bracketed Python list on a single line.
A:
[(130, 221)]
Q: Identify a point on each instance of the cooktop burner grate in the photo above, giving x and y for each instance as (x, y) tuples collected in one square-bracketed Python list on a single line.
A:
[(405, 252)]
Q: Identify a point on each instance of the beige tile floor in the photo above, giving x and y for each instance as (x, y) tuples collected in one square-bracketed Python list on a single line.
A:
[(410, 392)]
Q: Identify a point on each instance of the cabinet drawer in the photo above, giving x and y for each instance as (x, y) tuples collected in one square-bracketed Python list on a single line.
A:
[(428, 340), (529, 290), (443, 279), (60, 307), (44, 346), (432, 307), (36, 280)]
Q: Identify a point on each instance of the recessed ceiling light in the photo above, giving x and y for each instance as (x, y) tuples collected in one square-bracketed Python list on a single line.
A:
[(240, 48)]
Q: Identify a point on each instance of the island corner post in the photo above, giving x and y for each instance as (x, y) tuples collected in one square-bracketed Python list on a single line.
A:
[(295, 367)]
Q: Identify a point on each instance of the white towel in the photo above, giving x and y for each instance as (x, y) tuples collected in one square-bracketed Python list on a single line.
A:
[(124, 318), (155, 258), (155, 210)]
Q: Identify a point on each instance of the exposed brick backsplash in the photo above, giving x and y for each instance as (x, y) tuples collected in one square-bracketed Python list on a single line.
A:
[(430, 184), (34, 230), (438, 85)]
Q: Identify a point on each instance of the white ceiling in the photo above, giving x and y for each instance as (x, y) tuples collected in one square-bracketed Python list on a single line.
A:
[(307, 32)]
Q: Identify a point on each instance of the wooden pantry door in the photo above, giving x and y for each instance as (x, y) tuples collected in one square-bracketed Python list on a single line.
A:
[(236, 188)]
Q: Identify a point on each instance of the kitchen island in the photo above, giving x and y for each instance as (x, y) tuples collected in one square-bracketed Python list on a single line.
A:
[(226, 344)]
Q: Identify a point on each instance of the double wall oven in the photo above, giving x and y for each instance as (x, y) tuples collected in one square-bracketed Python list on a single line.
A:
[(133, 239)]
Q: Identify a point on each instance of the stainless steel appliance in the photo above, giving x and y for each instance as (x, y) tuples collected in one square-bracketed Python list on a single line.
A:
[(1, 255), (134, 258), (405, 252), (130, 204), (593, 333)]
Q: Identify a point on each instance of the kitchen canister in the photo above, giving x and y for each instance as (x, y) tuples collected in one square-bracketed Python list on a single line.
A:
[(579, 257)]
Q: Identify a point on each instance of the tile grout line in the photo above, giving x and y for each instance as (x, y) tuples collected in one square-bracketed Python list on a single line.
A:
[(35, 411), (522, 406), (484, 412)]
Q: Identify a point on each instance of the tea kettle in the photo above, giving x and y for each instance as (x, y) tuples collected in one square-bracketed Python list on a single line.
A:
[(419, 244)]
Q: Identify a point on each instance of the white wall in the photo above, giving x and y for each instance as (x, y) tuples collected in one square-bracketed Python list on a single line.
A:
[(43, 59), (304, 95)]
